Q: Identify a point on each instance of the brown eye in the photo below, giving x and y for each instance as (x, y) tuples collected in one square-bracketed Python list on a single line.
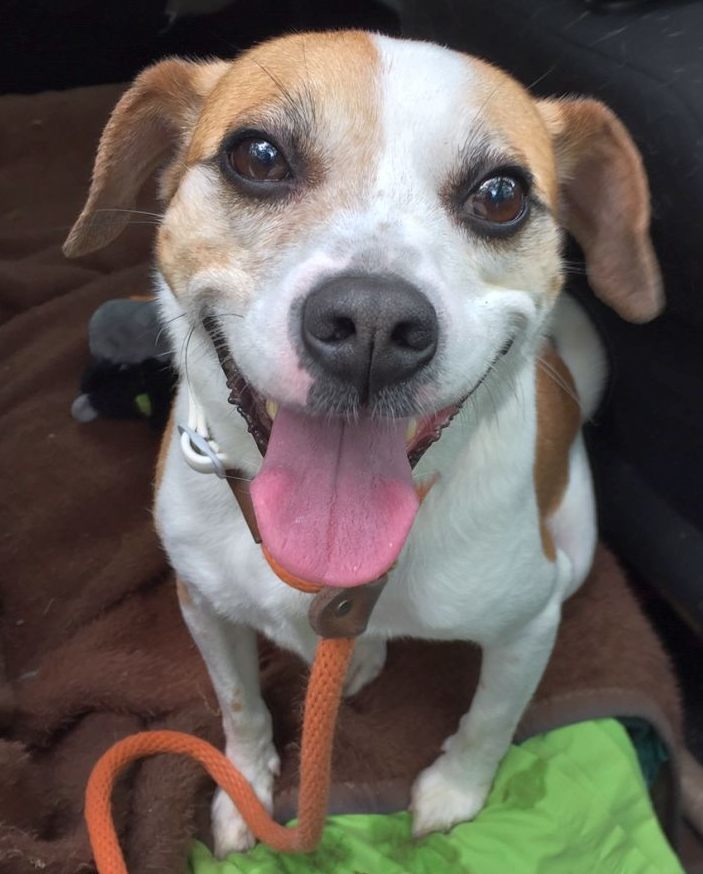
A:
[(259, 160), (500, 200)]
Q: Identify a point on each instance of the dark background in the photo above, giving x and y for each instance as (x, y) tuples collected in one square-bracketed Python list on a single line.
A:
[(56, 44)]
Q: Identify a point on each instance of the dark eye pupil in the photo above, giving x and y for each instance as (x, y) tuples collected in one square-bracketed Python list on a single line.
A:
[(498, 191), (259, 160), (263, 153), (498, 200)]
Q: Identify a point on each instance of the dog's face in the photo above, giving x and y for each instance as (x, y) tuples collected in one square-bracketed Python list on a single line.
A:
[(381, 214), (377, 222), (374, 224)]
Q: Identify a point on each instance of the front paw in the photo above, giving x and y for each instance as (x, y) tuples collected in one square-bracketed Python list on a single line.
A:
[(445, 794), (230, 833)]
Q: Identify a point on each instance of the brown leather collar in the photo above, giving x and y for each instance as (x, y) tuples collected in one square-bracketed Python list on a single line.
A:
[(240, 489)]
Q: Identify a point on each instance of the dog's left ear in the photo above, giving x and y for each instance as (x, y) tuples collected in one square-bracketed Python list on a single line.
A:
[(604, 203), (147, 128)]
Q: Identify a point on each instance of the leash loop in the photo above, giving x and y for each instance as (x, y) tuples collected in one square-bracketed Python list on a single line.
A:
[(320, 714)]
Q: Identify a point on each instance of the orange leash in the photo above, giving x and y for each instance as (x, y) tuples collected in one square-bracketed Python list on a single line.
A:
[(321, 706)]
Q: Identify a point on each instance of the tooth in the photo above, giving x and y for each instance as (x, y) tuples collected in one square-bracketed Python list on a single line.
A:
[(411, 430), (271, 409)]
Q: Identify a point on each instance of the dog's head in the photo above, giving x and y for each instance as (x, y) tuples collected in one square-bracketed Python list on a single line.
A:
[(374, 225)]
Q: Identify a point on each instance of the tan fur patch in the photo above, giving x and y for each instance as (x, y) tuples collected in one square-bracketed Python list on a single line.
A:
[(334, 74), (181, 252), (509, 109), (337, 69), (558, 423)]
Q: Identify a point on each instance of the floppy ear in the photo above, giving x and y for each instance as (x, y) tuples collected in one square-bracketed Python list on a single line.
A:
[(605, 205), (147, 126)]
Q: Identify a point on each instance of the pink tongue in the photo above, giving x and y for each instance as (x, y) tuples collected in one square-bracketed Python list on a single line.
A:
[(335, 501)]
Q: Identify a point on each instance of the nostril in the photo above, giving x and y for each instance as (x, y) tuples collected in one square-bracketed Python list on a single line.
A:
[(328, 328), (411, 335), (342, 328)]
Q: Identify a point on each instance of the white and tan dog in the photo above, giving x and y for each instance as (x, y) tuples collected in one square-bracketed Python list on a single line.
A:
[(375, 226)]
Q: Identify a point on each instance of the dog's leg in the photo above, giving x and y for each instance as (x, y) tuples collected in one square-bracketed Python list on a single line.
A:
[(454, 788), (230, 653)]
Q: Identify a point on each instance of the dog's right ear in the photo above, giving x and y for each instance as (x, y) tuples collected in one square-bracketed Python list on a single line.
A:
[(147, 126)]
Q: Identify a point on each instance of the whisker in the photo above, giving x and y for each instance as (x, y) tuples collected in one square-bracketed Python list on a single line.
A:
[(165, 324), (217, 314), (285, 93), (491, 94), (544, 75), (184, 354), (64, 228), (556, 378), (154, 224), (156, 215), (241, 479), (174, 318)]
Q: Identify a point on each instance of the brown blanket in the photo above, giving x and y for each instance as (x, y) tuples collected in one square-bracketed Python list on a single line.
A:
[(92, 646)]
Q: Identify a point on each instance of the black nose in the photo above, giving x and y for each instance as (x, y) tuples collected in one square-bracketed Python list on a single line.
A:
[(369, 331)]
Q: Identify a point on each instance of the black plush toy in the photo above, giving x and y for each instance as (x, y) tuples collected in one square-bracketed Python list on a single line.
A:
[(130, 375)]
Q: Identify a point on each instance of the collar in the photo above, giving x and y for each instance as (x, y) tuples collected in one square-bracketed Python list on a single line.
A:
[(203, 454)]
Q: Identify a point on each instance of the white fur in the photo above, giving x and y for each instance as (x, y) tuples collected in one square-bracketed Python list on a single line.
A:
[(473, 567), (582, 351)]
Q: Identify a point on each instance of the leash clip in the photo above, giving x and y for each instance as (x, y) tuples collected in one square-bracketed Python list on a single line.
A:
[(200, 451)]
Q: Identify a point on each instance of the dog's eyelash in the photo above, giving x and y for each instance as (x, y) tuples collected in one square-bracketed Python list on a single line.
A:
[(478, 161)]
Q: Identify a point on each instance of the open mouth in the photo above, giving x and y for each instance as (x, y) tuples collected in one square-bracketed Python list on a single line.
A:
[(334, 499)]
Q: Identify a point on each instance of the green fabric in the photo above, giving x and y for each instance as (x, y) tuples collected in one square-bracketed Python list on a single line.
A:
[(572, 801)]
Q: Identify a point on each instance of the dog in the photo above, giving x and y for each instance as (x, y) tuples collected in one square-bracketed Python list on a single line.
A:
[(375, 227)]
